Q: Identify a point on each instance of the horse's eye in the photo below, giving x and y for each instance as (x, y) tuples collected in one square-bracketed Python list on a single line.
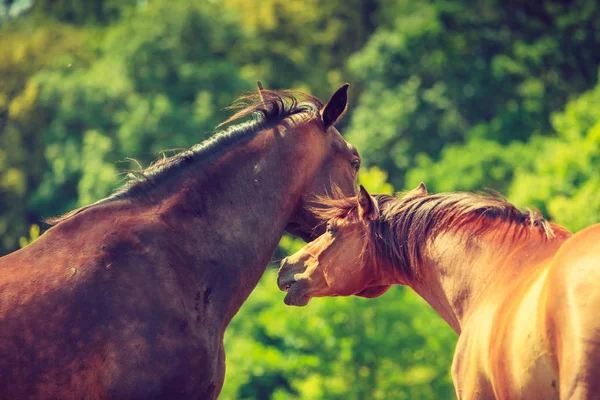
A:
[(329, 228), (355, 165)]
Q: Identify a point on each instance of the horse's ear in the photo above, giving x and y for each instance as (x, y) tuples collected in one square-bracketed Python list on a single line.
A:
[(419, 191), (336, 106), (366, 205)]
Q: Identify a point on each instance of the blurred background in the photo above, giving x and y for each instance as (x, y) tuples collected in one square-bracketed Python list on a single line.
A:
[(461, 94)]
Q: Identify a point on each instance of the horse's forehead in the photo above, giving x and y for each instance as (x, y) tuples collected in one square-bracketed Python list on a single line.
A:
[(345, 149), (349, 243), (338, 138), (334, 135), (349, 226), (352, 227), (352, 149)]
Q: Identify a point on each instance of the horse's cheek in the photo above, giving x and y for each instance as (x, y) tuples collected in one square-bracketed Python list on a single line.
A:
[(341, 279)]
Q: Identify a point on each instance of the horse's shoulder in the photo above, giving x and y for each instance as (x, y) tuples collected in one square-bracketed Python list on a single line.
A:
[(581, 245), (78, 247), (470, 363), (576, 264)]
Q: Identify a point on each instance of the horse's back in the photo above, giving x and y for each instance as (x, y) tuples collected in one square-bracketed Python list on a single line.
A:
[(573, 301), (44, 323), (502, 350), (88, 313), (574, 275)]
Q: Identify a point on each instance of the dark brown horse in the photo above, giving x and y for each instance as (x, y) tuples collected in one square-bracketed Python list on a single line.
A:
[(521, 292), (130, 297)]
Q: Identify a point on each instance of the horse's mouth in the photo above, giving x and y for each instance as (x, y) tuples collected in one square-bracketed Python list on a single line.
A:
[(292, 298), (295, 293), (288, 286), (285, 286)]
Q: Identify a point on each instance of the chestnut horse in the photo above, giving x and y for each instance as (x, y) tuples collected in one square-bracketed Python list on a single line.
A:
[(130, 297), (521, 293)]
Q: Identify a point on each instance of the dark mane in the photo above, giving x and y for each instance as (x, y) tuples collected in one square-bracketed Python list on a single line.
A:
[(267, 109), (405, 225)]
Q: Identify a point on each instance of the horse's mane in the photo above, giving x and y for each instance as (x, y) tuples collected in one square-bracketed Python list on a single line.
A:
[(405, 225), (268, 108)]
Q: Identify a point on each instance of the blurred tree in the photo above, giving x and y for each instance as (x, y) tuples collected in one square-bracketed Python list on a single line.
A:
[(564, 181), (34, 234), (162, 81), (301, 44), (158, 79), (439, 72), (5, 6), (26, 49), (392, 347), (476, 165), (81, 11), (556, 172)]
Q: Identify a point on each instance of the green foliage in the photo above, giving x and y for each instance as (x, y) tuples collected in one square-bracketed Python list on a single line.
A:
[(564, 180), (473, 166), (301, 44), (556, 173), (34, 233), (25, 51), (82, 11), (341, 348), (376, 180), (160, 81), (440, 72)]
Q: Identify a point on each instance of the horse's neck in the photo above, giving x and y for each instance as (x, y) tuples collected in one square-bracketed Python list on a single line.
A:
[(456, 275), (235, 212)]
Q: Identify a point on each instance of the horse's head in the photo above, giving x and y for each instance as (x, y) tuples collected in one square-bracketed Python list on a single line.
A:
[(340, 262), (338, 163)]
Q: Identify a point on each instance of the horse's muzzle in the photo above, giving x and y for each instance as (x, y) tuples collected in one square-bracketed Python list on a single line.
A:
[(285, 277)]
